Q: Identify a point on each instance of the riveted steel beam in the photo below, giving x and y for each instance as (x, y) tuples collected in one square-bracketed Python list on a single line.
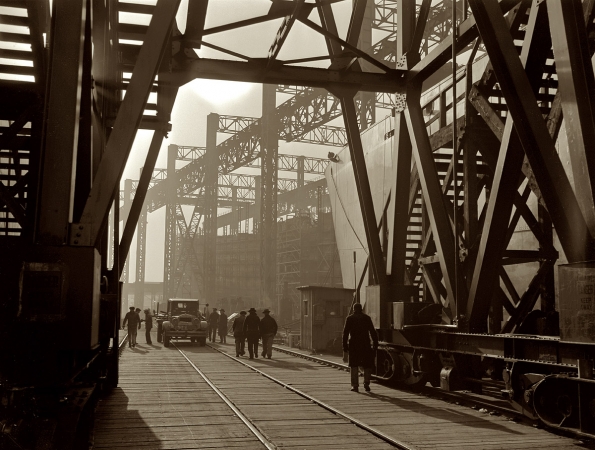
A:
[(432, 193), (362, 183), (510, 158), (576, 85), (539, 148), (127, 121), (57, 184)]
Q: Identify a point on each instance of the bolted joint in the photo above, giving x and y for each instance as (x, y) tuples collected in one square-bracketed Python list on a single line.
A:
[(80, 235), (400, 102)]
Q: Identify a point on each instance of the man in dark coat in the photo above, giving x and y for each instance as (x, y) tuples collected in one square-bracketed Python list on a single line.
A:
[(238, 333), (268, 330), (148, 325), (251, 330), (222, 326), (358, 332), (133, 320), (213, 324)]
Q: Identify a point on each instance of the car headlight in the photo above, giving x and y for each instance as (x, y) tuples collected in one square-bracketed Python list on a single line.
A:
[(175, 322)]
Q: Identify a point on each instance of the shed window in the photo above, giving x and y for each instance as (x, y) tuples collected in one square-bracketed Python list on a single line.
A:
[(333, 308)]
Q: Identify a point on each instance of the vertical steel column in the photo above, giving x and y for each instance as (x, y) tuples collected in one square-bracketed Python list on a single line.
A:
[(300, 204), (235, 224), (170, 223), (366, 101), (210, 211), (377, 266), (577, 90), (125, 214), (548, 288), (55, 206), (398, 212), (257, 202), (268, 215), (141, 251)]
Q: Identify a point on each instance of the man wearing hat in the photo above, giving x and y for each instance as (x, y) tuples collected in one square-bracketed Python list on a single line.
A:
[(213, 324), (238, 333), (251, 330), (222, 326), (356, 340), (133, 320), (268, 330), (148, 325)]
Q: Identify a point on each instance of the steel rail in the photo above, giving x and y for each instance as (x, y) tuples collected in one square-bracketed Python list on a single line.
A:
[(253, 428), (353, 420), (426, 390)]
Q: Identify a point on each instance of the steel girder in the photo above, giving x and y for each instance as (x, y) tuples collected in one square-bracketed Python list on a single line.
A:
[(141, 257), (576, 84), (322, 135), (539, 148), (210, 211), (122, 136), (535, 50), (267, 227)]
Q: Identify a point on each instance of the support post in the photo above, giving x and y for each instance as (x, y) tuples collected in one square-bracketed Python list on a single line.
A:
[(210, 211), (170, 223), (268, 215)]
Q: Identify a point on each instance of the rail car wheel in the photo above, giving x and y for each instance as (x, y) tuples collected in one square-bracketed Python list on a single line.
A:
[(166, 339)]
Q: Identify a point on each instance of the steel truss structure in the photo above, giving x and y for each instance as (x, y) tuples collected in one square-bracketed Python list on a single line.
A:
[(67, 131)]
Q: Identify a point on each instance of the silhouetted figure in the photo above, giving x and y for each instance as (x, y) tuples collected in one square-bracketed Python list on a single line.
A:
[(238, 333), (268, 330), (133, 320), (148, 325), (361, 341), (213, 324), (251, 330), (222, 326)]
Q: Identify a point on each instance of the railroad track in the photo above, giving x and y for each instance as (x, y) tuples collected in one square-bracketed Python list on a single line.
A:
[(252, 425), (461, 398)]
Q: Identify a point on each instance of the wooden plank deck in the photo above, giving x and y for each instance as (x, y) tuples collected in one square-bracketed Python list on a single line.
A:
[(423, 422), (162, 403)]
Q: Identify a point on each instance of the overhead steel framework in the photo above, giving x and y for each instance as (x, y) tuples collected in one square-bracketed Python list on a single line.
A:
[(469, 165)]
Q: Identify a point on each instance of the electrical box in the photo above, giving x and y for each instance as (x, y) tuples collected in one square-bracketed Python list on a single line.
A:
[(61, 285), (577, 301)]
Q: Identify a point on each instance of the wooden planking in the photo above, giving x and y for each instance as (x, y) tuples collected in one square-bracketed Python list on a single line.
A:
[(423, 422), (161, 399), (162, 403)]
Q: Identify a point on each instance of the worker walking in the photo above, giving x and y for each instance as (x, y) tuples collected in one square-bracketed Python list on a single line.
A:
[(251, 330), (222, 326), (213, 324), (148, 325), (133, 320), (268, 330), (238, 333), (356, 341)]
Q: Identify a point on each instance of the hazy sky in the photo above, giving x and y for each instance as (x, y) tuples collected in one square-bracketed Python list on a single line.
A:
[(201, 97)]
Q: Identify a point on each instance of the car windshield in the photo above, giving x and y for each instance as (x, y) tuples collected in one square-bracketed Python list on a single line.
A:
[(178, 307)]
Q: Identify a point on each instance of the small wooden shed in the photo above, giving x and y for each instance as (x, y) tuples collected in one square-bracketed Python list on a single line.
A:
[(323, 314)]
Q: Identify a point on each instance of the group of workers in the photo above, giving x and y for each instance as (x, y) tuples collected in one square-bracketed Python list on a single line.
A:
[(217, 322), (249, 328), (360, 340), (134, 320)]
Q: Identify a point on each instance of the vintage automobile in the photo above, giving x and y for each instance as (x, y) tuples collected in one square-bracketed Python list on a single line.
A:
[(183, 320)]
